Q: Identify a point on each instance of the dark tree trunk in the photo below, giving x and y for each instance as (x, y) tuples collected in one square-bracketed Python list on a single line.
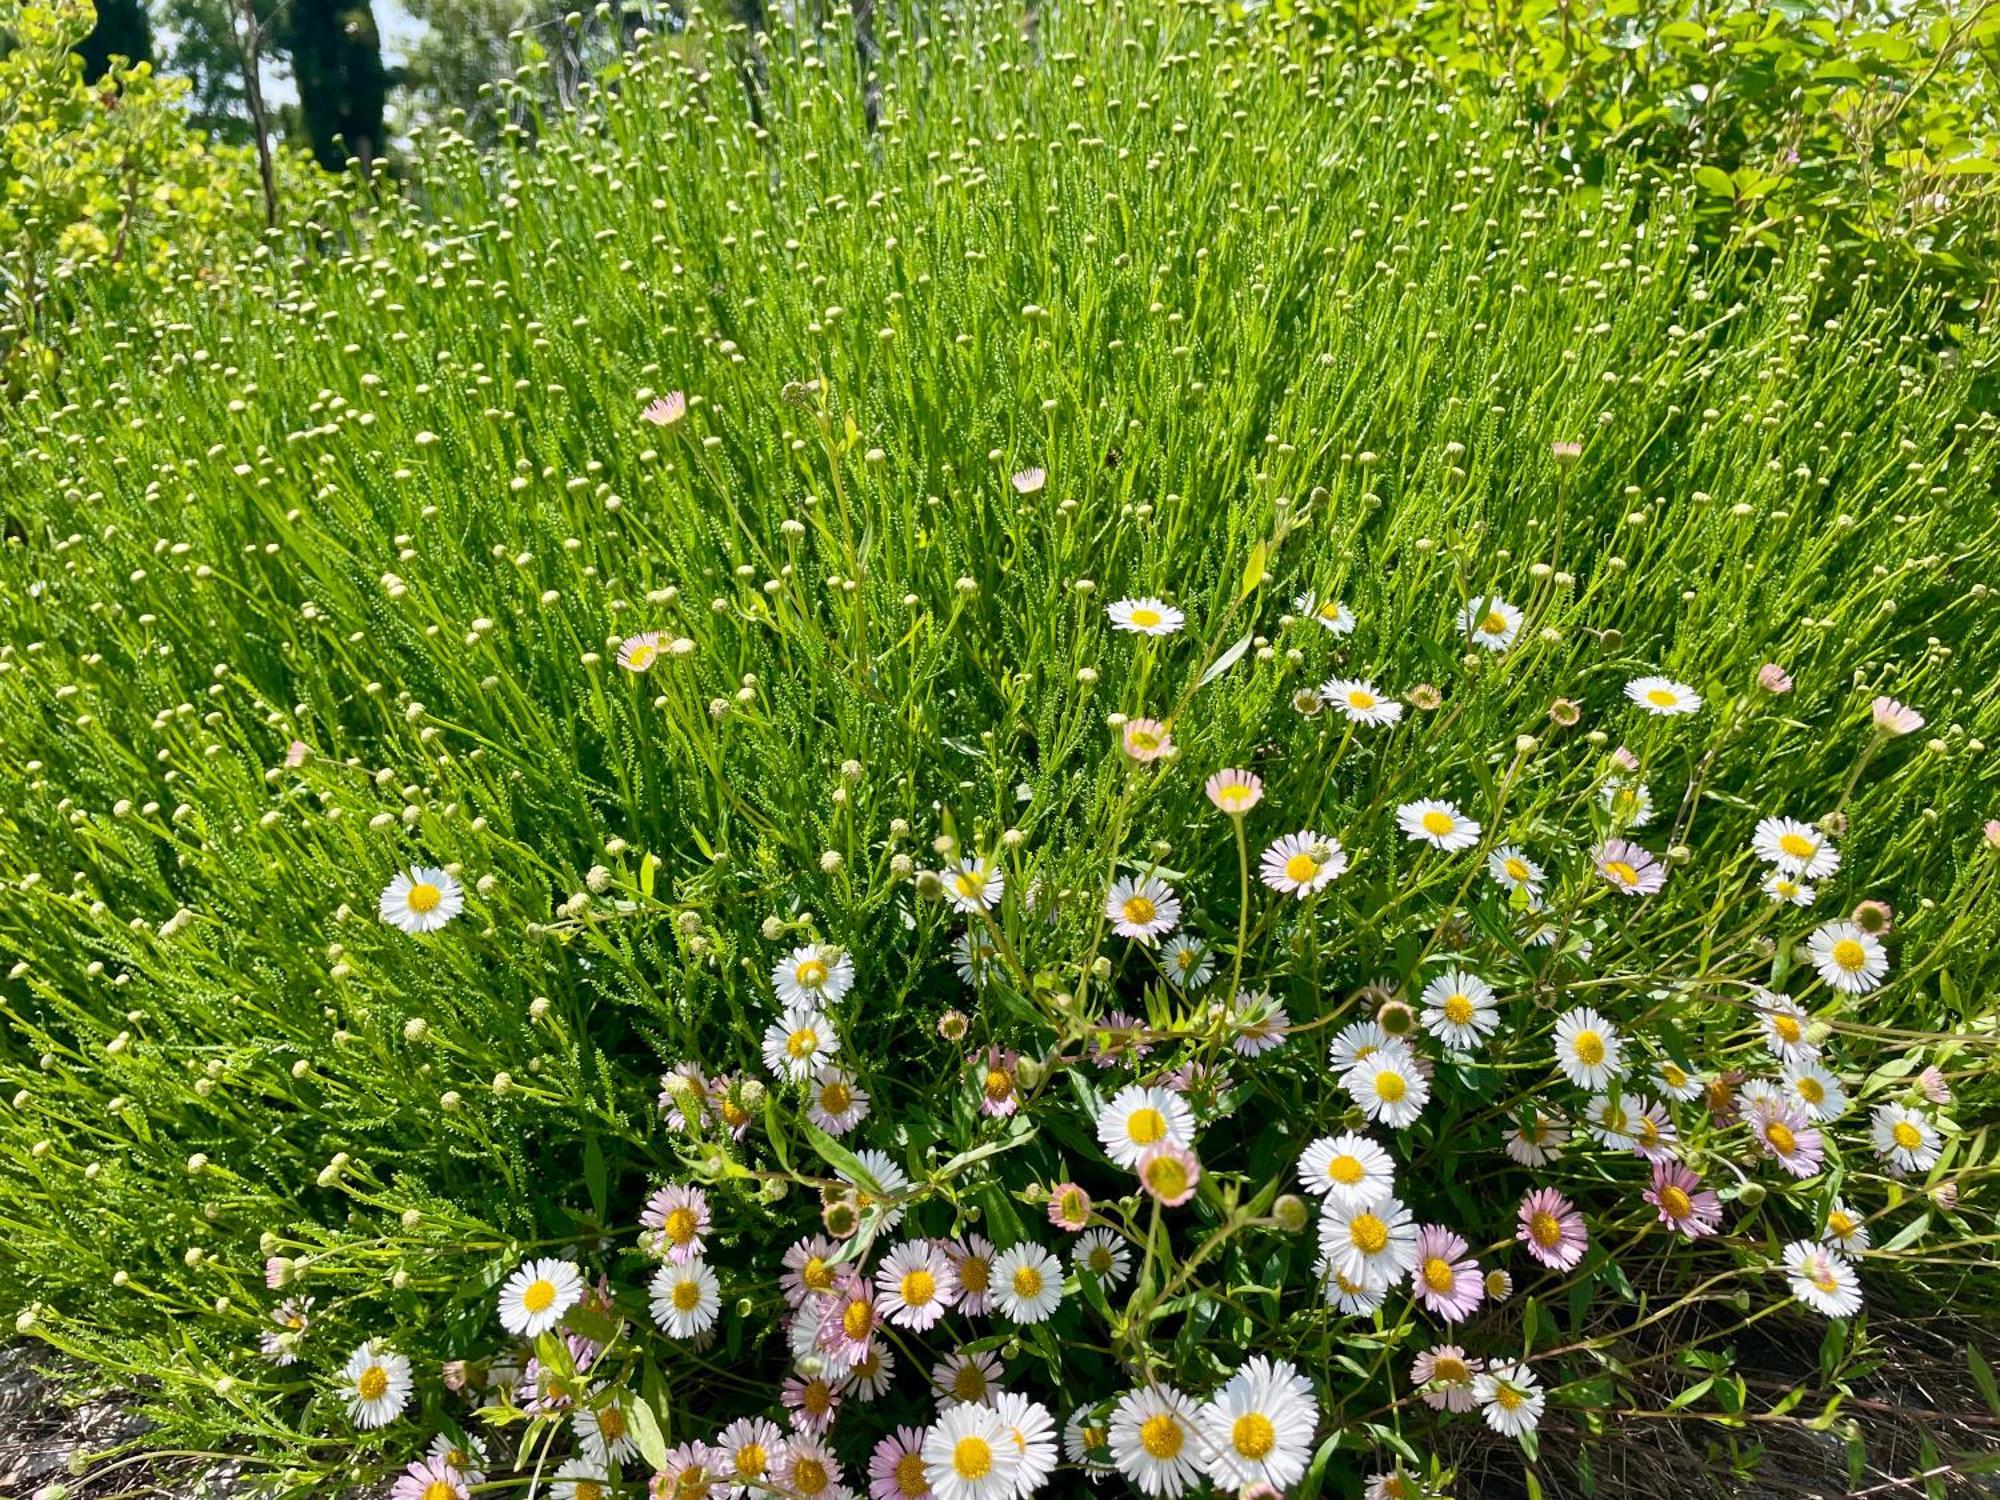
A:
[(336, 57), (123, 29)]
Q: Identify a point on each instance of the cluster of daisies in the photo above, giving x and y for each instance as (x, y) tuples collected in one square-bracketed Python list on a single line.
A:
[(1674, 1150)]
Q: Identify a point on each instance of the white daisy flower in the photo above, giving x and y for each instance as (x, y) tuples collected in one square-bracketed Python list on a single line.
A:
[(1302, 863), (1358, 1299), (1798, 849), (1331, 613), (1389, 1086), (1187, 963), (1154, 1440), (1677, 1082), (973, 885), (1103, 1255), (1538, 1142), (1374, 1246), (580, 1479), (1033, 1430), (1784, 1025), (421, 900), (685, 1298), (751, 1451), (1459, 1009), (1490, 622), (1258, 1429), (1820, 1092), (973, 954), (1629, 804), (797, 1043), (969, 1454), (1513, 870), (603, 1430), (836, 1105), (819, 974), (1903, 1137), (1510, 1398), (1663, 696), (1356, 1040), (376, 1381), (915, 1284), (1139, 1118), (537, 1295), (1846, 1231), (1360, 700), (1439, 824), (1587, 1049), (884, 1174), (1027, 1282), (1789, 890), (1145, 616), (1347, 1169), (1144, 910), (1848, 959), (1822, 1279), (1087, 1441)]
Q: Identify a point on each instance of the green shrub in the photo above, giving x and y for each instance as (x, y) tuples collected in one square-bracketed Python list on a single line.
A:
[(385, 563)]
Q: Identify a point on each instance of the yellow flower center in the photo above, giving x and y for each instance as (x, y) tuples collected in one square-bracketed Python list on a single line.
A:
[(1621, 871), (1588, 1047), (972, 1457), (858, 1320), (918, 1288), (1839, 1224), (910, 1475), (1660, 697), (1438, 1275), (1253, 1436), (802, 1043), (1494, 623), (1369, 1234), (1646, 1130), (1457, 1010), (1301, 868), (681, 1225), (589, 1489), (1361, 698), (1810, 1089), (1027, 1282), (998, 1084), (1329, 610), (1673, 1077), (1101, 1259), (1450, 1371), (687, 1295), (1146, 1126), (1437, 824), (424, 897), (1787, 1027), (1146, 617), (1160, 1436), (1139, 911), (1346, 1169), (969, 1384), (540, 1296), (1676, 1202), (1516, 869), (1906, 1135), (1390, 1087), (1797, 845), (969, 883), (1095, 1437), (640, 656), (972, 1274), (611, 1423), (440, 1489), (816, 1275), (809, 1476), (733, 1114), (1069, 1203), (1507, 1398), (750, 1461), (1850, 955), (373, 1384), (1142, 739), (816, 1398), (811, 974), (1545, 1228), (1167, 1177), (1779, 1134), (1233, 795), (834, 1098)]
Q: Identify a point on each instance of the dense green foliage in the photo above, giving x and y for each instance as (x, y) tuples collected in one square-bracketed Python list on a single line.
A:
[(1274, 317)]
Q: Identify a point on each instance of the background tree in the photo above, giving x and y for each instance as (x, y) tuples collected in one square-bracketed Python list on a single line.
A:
[(123, 29), (336, 55)]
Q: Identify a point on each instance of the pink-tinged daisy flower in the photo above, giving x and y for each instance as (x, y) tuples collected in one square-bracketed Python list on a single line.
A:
[(1774, 679), (1258, 1023), (1822, 1279), (1300, 864), (666, 410), (1146, 740), (680, 1215), (809, 1271), (1234, 792), (1445, 1278), (1552, 1229), (296, 754), (693, 1471), (1146, 616), (1144, 910), (1663, 696), (896, 1467), (812, 1400), (1629, 868), (637, 653), (430, 1479), (1539, 1140), (810, 1471), (1894, 718), (1933, 1085), (966, 1378), (1783, 1131), (997, 1096), (915, 1284), (1119, 1038), (1169, 1171), (1028, 481), (751, 1451), (683, 1095), (836, 1105), (725, 1097), (848, 1320), (972, 1266), (870, 1376), (1359, 701), (1069, 1207), (1683, 1204), (1446, 1373)]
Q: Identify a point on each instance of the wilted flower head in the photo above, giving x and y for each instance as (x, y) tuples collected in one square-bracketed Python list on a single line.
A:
[(1894, 718), (1774, 679)]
